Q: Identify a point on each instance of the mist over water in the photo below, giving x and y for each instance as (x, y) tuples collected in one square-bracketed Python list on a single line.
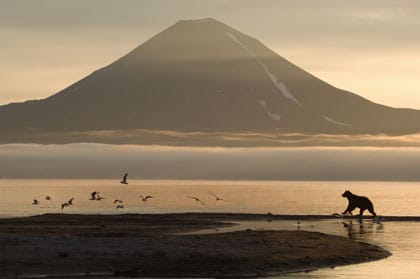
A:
[(87, 160)]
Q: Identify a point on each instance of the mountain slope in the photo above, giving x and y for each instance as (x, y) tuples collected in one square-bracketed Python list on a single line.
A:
[(202, 75)]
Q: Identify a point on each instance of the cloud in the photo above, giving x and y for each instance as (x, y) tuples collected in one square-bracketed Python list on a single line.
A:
[(311, 20)]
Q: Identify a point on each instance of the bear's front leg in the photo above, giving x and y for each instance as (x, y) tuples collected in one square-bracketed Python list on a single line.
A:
[(349, 209)]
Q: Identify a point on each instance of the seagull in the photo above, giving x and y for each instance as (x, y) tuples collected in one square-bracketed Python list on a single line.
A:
[(145, 198), (48, 198), (216, 197), (119, 206), (124, 179), (93, 195), (35, 202), (70, 202), (196, 199), (118, 201), (64, 205)]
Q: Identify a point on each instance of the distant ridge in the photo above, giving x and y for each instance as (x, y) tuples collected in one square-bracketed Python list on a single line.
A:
[(202, 75)]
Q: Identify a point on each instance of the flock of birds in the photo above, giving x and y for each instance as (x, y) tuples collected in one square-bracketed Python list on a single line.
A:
[(96, 196)]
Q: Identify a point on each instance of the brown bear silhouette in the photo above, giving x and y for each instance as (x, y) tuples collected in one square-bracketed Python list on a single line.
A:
[(358, 201)]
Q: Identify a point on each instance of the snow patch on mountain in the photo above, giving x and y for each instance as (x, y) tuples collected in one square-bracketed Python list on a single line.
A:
[(277, 83), (282, 87), (263, 104), (336, 122), (236, 40), (276, 117)]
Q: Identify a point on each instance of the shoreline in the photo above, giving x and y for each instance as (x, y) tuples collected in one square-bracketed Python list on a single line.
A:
[(154, 245), (216, 216)]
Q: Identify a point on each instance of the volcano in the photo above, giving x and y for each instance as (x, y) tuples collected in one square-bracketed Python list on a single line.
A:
[(202, 75)]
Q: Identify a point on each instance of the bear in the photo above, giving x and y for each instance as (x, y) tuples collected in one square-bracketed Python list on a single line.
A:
[(358, 201)]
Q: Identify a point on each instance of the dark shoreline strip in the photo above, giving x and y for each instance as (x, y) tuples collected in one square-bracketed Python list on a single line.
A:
[(211, 216)]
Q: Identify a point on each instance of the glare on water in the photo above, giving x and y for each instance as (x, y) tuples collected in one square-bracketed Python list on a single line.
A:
[(277, 197), (402, 239)]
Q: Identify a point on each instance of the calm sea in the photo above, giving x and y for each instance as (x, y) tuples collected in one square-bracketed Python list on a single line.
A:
[(277, 197), (281, 197)]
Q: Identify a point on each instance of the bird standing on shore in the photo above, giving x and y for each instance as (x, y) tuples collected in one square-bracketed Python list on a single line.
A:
[(124, 179), (93, 195), (120, 206), (35, 202), (48, 198), (196, 199)]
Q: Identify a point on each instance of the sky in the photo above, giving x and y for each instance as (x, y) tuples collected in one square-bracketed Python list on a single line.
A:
[(368, 47)]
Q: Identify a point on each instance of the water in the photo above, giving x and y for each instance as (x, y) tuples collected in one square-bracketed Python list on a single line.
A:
[(401, 238), (277, 197)]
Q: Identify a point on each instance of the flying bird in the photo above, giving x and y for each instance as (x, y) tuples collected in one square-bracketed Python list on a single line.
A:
[(118, 201), (196, 199), (124, 179), (64, 205), (35, 202), (70, 202), (145, 198), (216, 197)]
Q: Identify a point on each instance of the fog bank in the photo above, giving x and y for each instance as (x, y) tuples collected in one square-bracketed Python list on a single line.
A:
[(160, 162)]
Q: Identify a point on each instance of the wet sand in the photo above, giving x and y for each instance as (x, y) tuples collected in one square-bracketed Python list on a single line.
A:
[(154, 246)]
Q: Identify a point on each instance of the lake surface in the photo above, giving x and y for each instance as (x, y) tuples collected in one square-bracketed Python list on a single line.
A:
[(277, 197)]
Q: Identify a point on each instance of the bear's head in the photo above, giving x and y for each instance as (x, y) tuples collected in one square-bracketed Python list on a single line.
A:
[(346, 194)]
